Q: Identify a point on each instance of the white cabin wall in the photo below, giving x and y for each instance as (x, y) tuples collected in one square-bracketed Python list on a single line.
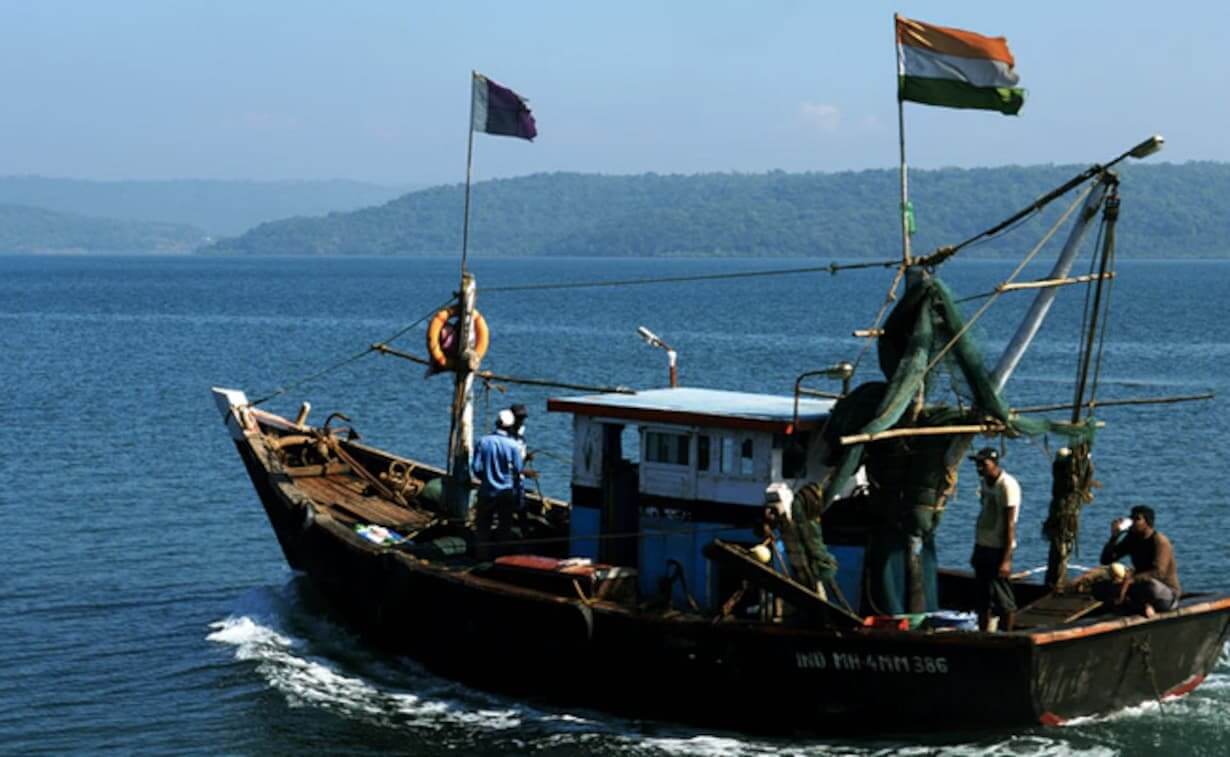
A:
[(586, 451), (733, 485)]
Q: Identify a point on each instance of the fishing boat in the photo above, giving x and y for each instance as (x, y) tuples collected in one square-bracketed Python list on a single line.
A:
[(765, 562), (659, 589)]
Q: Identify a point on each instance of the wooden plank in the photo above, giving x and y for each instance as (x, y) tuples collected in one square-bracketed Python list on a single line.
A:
[(1056, 609), (305, 471), (345, 494), (798, 595)]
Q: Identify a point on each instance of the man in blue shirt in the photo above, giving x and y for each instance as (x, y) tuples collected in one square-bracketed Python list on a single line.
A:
[(498, 463)]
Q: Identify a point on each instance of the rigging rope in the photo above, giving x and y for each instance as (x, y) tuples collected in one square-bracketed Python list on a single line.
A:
[(1087, 315), (831, 268), (1080, 198), (1097, 370), (284, 389)]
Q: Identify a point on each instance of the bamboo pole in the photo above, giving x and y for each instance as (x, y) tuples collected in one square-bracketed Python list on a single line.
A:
[(896, 433), (1115, 403), (465, 223), (904, 210), (461, 430), (1045, 283), (968, 430)]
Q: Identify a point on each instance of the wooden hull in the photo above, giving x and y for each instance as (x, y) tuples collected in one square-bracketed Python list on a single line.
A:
[(751, 676)]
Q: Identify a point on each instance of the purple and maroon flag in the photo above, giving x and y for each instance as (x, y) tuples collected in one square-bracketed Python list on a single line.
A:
[(499, 110)]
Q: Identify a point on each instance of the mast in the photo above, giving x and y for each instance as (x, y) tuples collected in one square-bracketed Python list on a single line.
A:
[(1108, 249), (461, 437), (461, 426), (1043, 300), (493, 110), (465, 224), (1072, 473), (905, 188)]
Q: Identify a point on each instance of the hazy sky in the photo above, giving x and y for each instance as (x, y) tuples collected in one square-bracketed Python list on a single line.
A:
[(379, 91)]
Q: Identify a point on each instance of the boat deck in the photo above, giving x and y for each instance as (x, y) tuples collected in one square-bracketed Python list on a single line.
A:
[(347, 498)]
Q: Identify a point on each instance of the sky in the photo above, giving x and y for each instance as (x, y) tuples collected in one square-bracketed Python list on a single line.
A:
[(380, 91)]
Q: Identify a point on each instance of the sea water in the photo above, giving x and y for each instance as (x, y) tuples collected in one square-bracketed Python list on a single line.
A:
[(145, 606)]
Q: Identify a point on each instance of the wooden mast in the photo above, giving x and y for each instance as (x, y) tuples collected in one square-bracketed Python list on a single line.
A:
[(461, 428), (461, 437)]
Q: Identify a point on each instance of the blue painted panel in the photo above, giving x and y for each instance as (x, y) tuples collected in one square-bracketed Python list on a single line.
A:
[(668, 539), (849, 574), (585, 522)]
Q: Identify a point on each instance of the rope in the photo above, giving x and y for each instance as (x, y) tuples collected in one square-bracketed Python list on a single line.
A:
[(1146, 656), (1097, 369), (488, 376), (284, 389), (831, 268), (1011, 277), (889, 299), (622, 535), (674, 572), (1085, 308)]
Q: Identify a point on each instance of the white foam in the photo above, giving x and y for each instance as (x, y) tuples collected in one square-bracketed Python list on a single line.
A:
[(363, 690), (310, 681)]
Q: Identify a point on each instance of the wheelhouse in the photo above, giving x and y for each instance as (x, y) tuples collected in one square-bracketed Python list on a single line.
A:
[(658, 474)]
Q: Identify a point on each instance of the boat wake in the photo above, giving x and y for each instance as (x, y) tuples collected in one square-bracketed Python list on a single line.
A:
[(316, 664)]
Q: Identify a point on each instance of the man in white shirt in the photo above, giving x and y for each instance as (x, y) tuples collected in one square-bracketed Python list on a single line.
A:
[(995, 540)]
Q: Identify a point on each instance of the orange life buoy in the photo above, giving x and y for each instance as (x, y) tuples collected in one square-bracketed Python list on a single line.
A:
[(440, 339)]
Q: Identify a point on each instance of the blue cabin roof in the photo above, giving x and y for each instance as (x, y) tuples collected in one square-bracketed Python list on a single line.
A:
[(711, 408)]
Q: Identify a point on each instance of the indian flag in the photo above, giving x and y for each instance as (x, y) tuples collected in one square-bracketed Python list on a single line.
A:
[(939, 65)]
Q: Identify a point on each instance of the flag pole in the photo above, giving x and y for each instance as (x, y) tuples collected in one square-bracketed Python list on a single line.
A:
[(465, 228), (461, 423), (905, 189)]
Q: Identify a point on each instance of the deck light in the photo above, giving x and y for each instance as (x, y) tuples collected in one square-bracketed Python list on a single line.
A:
[(1142, 150), (1148, 147), (653, 340)]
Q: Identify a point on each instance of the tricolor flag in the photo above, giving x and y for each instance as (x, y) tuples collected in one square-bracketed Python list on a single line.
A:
[(939, 65), (499, 110)]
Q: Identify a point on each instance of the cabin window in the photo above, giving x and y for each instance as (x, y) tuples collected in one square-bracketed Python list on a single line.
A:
[(702, 452), (727, 461), (629, 444), (666, 448), (738, 456)]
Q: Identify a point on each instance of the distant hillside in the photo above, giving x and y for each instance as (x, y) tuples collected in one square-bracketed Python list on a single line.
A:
[(25, 229), (221, 208), (1169, 210)]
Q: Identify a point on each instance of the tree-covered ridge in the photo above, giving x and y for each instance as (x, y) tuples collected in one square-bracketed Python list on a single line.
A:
[(1168, 211), (25, 229)]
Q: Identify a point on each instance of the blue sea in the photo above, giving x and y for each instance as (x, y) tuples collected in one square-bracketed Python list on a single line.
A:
[(145, 606)]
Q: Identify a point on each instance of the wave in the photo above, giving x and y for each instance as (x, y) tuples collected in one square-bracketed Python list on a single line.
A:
[(314, 663)]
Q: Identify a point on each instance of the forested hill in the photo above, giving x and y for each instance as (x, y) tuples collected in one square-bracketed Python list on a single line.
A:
[(33, 230), (1168, 211)]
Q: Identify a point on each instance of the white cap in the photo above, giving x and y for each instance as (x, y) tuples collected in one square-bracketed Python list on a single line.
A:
[(505, 419), (779, 497)]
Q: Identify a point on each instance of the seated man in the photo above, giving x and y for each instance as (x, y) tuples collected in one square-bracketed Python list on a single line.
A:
[(1152, 586)]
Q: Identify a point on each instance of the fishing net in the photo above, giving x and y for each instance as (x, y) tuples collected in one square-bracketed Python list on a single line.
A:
[(925, 350)]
